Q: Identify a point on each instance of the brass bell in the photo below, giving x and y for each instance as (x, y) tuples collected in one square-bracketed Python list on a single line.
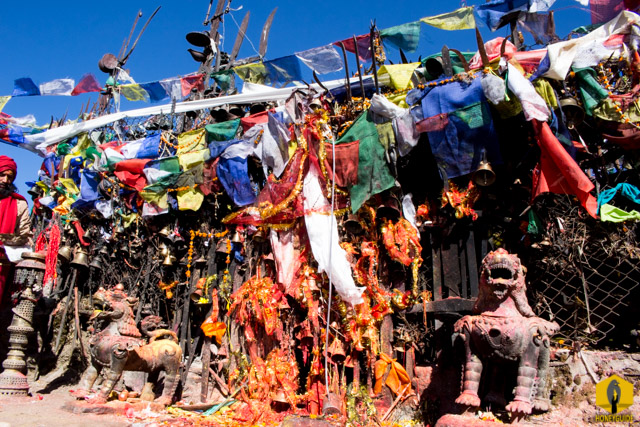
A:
[(389, 209), (169, 260), (103, 251), (80, 258), (96, 263), (196, 295), (236, 237), (573, 112), (89, 235), (165, 232), (336, 351), (64, 253), (280, 397), (484, 175), (119, 229), (200, 262), (260, 236)]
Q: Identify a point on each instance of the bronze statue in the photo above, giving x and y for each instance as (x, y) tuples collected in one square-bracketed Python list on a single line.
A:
[(504, 330), (119, 347)]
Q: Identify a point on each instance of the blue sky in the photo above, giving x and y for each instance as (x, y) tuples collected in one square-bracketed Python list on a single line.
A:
[(47, 40)]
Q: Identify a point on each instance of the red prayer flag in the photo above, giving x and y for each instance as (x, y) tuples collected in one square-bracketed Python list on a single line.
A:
[(130, 172), (558, 172), (364, 46), (190, 82), (88, 83)]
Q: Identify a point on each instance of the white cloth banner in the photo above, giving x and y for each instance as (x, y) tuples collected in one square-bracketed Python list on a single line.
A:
[(58, 87), (42, 140), (325, 243)]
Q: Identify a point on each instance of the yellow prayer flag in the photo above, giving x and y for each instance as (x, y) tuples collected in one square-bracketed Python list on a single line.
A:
[(460, 19), (193, 140), (134, 92), (194, 158), (190, 199), (3, 101), (252, 73), (400, 74)]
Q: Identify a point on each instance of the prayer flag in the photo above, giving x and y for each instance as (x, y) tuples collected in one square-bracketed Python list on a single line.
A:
[(460, 19), (400, 74), (173, 87), (253, 73), (364, 46), (405, 36), (373, 172), (87, 83), (3, 101), (223, 78), (284, 70), (498, 13), (558, 172), (134, 92), (191, 82), (155, 90), (322, 59), (604, 10), (25, 87), (58, 87)]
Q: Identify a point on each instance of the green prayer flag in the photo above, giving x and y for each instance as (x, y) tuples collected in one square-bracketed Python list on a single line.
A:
[(373, 172), (222, 131), (405, 36), (223, 79)]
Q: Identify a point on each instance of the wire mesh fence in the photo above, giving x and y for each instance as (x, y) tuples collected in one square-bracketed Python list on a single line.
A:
[(585, 275)]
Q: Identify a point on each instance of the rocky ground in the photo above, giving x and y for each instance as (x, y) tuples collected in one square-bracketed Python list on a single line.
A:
[(573, 399)]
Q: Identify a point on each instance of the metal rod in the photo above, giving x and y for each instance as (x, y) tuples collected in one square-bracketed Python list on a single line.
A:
[(372, 34), (357, 53), (346, 70)]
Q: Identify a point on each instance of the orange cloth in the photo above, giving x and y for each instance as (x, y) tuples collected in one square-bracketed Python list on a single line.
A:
[(397, 379)]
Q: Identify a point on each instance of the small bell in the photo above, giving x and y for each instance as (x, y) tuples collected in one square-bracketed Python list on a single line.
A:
[(80, 258), (165, 232), (64, 253), (352, 224), (336, 351), (484, 175), (200, 262), (103, 251), (96, 263), (389, 209), (236, 237), (196, 295), (260, 236)]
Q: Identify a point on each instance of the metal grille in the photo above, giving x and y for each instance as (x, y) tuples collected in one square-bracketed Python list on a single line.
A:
[(585, 275)]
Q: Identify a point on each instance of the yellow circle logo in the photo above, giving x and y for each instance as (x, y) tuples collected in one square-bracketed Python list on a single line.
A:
[(614, 394)]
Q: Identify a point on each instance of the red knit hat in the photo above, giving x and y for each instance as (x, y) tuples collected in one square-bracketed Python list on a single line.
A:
[(7, 163)]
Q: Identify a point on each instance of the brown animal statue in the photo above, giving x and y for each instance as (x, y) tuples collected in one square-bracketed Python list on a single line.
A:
[(505, 330), (118, 346)]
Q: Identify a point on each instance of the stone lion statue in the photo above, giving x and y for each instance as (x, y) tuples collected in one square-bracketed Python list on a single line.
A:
[(119, 346), (503, 329)]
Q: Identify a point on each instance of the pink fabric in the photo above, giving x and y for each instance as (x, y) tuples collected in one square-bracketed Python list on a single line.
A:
[(492, 47)]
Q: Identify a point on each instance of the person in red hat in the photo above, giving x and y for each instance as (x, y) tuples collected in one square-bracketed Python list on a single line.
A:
[(15, 224)]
